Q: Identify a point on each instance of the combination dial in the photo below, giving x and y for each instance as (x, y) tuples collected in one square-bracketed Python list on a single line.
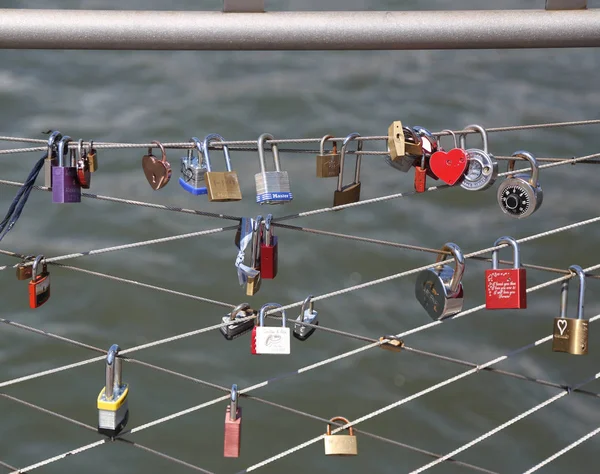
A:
[(515, 200)]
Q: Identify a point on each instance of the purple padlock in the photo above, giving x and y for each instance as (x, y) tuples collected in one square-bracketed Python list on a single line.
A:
[(65, 186)]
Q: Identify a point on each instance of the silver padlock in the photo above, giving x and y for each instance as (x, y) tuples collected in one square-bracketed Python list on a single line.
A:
[(193, 170), (406, 162), (520, 195), (113, 410), (51, 156), (270, 339), (482, 168), (307, 315), (236, 329), (429, 143), (439, 289), (272, 187)]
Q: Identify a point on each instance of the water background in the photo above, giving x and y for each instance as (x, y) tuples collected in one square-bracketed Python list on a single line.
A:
[(170, 96)]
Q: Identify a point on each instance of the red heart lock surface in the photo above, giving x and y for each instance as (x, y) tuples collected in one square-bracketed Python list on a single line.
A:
[(449, 166)]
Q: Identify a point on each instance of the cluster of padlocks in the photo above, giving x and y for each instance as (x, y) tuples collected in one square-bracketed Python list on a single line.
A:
[(473, 169)]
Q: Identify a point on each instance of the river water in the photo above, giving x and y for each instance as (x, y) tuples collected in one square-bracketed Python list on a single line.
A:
[(171, 96)]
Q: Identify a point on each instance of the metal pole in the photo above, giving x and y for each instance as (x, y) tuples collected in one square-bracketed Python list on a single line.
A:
[(365, 30)]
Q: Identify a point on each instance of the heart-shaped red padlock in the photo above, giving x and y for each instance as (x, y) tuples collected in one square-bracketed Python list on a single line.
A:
[(449, 166)]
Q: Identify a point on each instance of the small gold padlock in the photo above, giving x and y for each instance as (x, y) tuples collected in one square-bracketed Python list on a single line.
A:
[(328, 164), (340, 445), (569, 334), (222, 186), (92, 158), (396, 142), (351, 192), (25, 272)]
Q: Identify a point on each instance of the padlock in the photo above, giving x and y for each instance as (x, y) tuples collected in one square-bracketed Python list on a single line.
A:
[(351, 192), (405, 140), (506, 288), (307, 315), (24, 272), (429, 145), (92, 158), (193, 171), (570, 334), (233, 426), (113, 409), (413, 145), (421, 176), (270, 339), (84, 174), (482, 168), (449, 166), (39, 286), (439, 289), (340, 445), (157, 172), (272, 187), (51, 156), (236, 329), (253, 282), (328, 164), (268, 251), (65, 187), (222, 186), (520, 195)]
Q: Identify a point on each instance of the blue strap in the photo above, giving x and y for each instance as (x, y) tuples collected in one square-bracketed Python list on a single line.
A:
[(16, 207)]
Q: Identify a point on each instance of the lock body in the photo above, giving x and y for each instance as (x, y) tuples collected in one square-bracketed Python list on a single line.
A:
[(84, 175), (349, 194), (113, 414), (269, 259), (420, 179), (570, 335), (506, 288), (340, 445), (482, 170), (192, 176), (65, 185), (272, 187), (233, 434), (301, 332), (328, 166), (92, 158), (223, 186), (236, 329), (39, 290), (270, 340), (432, 292)]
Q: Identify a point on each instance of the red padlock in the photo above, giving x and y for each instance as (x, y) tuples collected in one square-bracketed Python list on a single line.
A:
[(268, 251), (421, 176), (505, 288), (84, 175), (39, 286), (233, 427), (253, 339)]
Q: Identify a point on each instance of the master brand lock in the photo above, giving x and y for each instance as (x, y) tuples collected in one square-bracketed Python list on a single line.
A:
[(270, 339), (39, 286), (84, 174), (506, 288), (569, 334), (51, 160), (222, 186), (193, 171), (482, 168), (328, 164), (439, 289), (236, 329), (351, 192), (340, 445), (307, 315), (268, 251), (65, 187), (157, 172), (272, 187), (520, 195), (233, 426), (113, 410)]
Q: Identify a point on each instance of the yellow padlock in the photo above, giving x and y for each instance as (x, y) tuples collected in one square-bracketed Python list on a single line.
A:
[(340, 445)]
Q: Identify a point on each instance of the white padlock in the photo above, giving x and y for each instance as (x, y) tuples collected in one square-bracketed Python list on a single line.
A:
[(270, 339)]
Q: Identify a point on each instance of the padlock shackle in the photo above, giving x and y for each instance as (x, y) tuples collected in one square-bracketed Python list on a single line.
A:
[(516, 254), (113, 371), (268, 230), (261, 152), (190, 154), (322, 145), (54, 137), (340, 418), (255, 251), (267, 306), (162, 150), (347, 140), (307, 302), (484, 137), (454, 137), (237, 309), (79, 148), (61, 150), (206, 144), (34, 269), (564, 293), (459, 261), (533, 179), (234, 403)]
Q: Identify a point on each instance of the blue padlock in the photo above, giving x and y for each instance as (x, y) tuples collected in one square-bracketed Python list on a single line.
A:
[(193, 170)]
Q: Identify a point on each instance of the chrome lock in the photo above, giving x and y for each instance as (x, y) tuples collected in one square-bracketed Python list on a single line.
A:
[(520, 195), (482, 168)]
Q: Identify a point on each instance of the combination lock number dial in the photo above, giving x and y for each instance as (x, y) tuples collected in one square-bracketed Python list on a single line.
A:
[(515, 200)]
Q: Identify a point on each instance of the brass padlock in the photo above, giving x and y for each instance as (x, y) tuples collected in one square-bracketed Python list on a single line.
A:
[(222, 186), (396, 142), (253, 281), (340, 445), (25, 272), (351, 192), (571, 335), (328, 164), (92, 158)]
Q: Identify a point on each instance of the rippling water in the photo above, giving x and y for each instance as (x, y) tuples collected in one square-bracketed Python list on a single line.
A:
[(170, 96)]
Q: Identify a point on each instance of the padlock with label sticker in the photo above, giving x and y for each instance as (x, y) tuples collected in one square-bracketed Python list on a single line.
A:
[(39, 286), (270, 339), (113, 409), (506, 288)]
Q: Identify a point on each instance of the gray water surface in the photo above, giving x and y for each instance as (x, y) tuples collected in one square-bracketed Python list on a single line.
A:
[(171, 96)]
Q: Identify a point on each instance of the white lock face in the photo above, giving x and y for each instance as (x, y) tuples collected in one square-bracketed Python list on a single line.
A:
[(481, 171)]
